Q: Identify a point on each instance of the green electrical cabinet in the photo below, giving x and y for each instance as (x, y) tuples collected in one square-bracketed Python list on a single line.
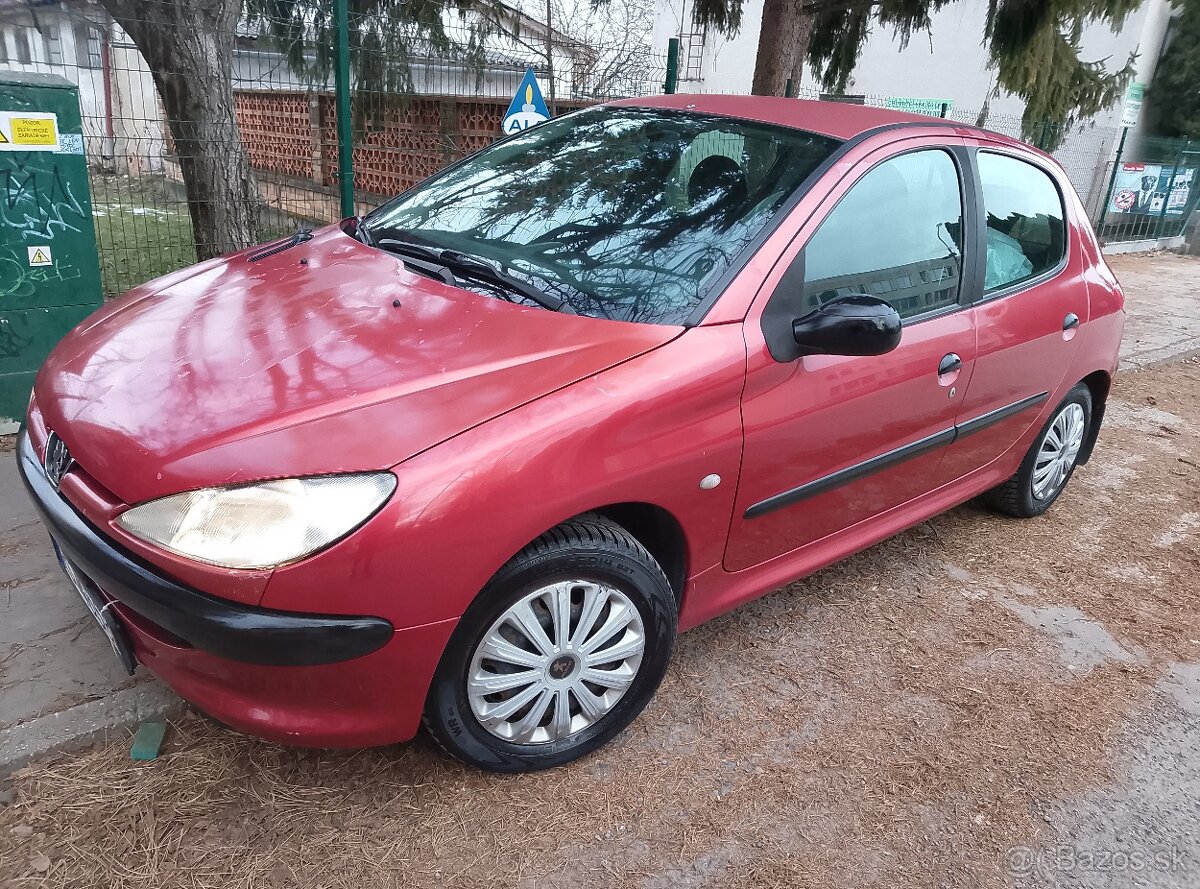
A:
[(49, 271)]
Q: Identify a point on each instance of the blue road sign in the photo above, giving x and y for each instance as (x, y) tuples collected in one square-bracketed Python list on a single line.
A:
[(528, 108)]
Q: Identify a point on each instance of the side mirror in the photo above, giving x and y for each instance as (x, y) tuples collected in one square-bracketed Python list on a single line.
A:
[(849, 325)]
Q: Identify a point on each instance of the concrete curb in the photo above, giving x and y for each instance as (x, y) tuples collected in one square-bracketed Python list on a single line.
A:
[(84, 723)]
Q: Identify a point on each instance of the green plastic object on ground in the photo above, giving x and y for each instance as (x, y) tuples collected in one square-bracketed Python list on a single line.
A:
[(148, 740), (49, 271)]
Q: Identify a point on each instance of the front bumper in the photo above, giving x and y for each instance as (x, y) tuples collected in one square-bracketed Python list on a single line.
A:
[(301, 679), (216, 626)]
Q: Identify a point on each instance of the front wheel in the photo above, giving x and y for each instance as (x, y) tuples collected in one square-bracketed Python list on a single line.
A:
[(559, 653), (1050, 461)]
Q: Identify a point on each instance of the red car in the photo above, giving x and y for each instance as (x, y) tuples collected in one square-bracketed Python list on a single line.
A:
[(478, 457)]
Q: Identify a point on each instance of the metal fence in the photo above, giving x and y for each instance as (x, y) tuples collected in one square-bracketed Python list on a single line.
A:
[(422, 95), (1151, 193)]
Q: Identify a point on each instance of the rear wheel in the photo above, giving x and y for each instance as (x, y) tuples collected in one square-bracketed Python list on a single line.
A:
[(559, 653), (1050, 461)]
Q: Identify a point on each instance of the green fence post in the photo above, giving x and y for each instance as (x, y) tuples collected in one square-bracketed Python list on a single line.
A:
[(672, 66), (341, 14), (1112, 180), (1162, 213), (1044, 138)]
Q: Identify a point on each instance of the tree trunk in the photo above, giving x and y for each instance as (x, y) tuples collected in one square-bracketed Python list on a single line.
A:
[(189, 48), (782, 46), (804, 31)]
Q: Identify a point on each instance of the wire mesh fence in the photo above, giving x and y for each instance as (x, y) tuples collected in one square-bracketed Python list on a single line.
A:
[(427, 89), (1153, 195)]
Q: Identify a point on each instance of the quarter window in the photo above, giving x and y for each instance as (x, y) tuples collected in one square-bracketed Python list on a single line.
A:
[(896, 235), (1026, 232)]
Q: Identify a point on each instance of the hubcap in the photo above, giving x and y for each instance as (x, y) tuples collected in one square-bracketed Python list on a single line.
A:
[(1058, 452), (555, 662)]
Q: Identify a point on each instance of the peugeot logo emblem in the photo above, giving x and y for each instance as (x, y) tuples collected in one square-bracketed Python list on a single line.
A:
[(58, 459)]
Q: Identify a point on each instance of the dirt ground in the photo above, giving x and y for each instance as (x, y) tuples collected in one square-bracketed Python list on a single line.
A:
[(906, 718)]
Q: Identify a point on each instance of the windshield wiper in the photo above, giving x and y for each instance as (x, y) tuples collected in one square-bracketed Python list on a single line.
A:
[(470, 266), (362, 233)]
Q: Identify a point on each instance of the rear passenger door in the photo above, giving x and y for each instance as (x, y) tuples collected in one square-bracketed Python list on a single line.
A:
[(1030, 304)]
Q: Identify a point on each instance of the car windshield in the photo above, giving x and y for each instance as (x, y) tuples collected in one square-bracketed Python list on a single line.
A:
[(623, 213)]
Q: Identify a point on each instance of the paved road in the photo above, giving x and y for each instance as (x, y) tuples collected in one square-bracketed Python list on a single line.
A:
[(59, 682)]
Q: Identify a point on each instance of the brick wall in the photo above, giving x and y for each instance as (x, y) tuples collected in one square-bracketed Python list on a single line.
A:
[(294, 134)]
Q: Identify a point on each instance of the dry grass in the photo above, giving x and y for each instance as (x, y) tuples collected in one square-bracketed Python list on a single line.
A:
[(886, 722)]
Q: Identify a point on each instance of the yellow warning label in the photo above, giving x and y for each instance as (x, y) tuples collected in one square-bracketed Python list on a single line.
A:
[(33, 131), (3, 138), (39, 257)]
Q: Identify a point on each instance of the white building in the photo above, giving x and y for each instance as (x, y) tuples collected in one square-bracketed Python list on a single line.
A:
[(515, 41), (121, 123), (948, 65)]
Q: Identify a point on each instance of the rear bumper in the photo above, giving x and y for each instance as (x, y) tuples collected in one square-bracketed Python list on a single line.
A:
[(226, 629)]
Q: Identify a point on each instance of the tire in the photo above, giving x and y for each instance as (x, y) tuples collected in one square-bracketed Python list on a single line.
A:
[(608, 580), (1027, 493)]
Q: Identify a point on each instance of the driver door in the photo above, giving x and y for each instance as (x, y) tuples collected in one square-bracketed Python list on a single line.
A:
[(833, 440)]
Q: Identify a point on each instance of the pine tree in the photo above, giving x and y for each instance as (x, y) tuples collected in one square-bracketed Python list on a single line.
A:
[(1174, 96), (1034, 46)]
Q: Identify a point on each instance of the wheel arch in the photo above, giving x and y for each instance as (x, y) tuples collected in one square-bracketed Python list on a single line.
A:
[(1099, 383), (660, 532)]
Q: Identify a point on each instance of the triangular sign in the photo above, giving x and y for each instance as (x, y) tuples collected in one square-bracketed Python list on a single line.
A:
[(527, 108), (40, 257), (3, 138)]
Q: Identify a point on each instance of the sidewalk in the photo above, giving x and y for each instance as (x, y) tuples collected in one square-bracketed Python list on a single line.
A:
[(59, 682), (1162, 300)]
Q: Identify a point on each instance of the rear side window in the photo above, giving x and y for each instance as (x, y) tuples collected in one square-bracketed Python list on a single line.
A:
[(1026, 229), (896, 235)]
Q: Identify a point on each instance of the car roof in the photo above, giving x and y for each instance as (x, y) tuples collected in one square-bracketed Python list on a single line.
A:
[(840, 120)]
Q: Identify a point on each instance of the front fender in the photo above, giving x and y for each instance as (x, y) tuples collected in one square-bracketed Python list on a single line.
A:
[(647, 430)]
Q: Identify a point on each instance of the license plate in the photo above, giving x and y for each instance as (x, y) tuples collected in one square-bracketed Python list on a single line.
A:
[(101, 609)]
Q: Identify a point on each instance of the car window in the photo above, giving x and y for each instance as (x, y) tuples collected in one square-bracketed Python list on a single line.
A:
[(896, 235), (1026, 232), (625, 213)]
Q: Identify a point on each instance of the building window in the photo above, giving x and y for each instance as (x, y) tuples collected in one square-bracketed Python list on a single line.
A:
[(3, 46), (52, 40), (88, 46), (21, 39)]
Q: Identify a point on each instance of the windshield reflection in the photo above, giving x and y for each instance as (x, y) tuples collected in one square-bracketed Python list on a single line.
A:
[(626, 213)]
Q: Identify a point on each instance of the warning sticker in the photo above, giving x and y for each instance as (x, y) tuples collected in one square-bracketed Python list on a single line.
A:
[(40, 256), (28, 131)]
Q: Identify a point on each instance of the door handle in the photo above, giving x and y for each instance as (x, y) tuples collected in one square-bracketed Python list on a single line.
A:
[(1071, 321), (949, 364)]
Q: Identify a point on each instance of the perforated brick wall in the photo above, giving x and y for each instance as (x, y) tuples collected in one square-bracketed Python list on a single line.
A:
[(276, 130), (294, 134)]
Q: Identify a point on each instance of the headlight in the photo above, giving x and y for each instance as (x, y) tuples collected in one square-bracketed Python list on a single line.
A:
[(260, 525)]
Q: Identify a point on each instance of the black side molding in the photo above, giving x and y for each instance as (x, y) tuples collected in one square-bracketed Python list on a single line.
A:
[(217, 626), (892, 457), (1001, 413), (851, 473)]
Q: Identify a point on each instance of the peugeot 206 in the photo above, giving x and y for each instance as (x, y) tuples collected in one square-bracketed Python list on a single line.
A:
[(476, 458)]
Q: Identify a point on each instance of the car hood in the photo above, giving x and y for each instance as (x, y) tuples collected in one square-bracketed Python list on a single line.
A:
[(327, 356)]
